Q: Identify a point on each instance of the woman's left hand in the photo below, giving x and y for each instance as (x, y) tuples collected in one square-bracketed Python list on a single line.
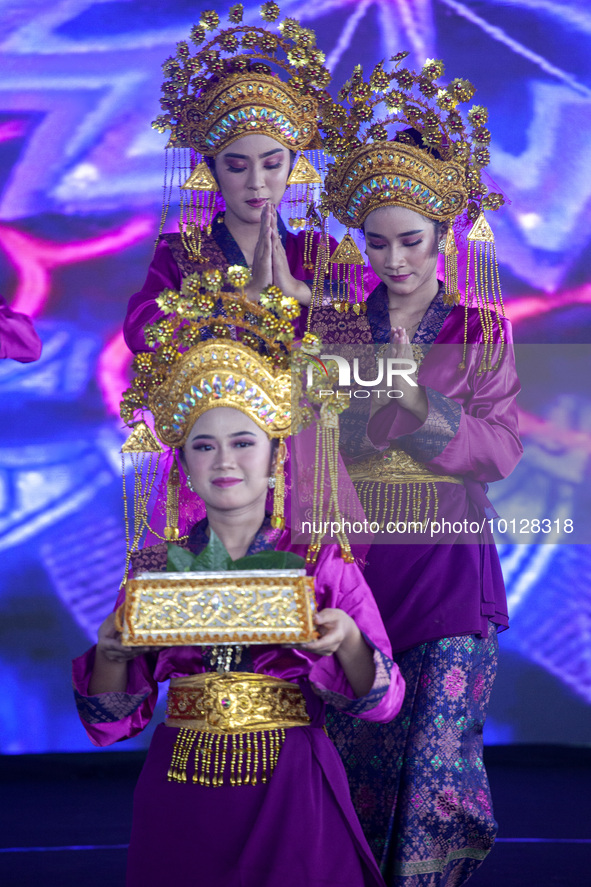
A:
[(340, 634), (282, 276), (334, 627)]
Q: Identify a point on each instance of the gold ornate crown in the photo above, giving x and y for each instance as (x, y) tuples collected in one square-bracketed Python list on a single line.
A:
[(230, 87), (215, 348), (376, 166)]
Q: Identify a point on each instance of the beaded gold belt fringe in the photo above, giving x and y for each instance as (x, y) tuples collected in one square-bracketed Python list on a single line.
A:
[(233, 723), (394, 488), (396, 467)]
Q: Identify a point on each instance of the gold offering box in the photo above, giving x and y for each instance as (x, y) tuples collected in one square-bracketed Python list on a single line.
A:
[(235, 607)]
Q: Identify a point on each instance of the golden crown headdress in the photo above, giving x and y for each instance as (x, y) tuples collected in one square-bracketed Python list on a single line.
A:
[(231, 88), (216, 348), (421, 154), (379, 163)]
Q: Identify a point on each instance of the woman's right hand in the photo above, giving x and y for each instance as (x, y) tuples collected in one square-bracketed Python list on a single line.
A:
[(262, 263)]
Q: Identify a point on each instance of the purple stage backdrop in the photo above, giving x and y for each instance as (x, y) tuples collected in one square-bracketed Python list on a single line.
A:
[(80, 197)]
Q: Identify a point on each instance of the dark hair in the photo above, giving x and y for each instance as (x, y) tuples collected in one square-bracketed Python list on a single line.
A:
[(412, 136)]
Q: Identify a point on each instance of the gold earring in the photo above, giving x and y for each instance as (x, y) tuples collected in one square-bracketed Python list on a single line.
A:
[(451, 295), (278, 487), (171, 530)]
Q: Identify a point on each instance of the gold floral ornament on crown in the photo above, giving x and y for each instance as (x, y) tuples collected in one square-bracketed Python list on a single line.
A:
[(377, 162), (214, 348), (230, 88)]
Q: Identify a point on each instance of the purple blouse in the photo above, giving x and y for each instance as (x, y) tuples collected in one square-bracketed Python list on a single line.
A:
[(18, 339), (427, 590)]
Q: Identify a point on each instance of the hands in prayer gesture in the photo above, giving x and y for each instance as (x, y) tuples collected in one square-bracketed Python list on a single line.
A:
[(270, 264), (414, 398)]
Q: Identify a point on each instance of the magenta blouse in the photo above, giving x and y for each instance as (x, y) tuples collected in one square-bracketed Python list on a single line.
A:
[(18, 339), (428, 589)]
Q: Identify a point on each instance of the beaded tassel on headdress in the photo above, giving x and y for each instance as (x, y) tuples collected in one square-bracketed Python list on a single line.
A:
[(346, 276), (485, 292), (320, 395), (303, 213), (140, 443), (197, 209)]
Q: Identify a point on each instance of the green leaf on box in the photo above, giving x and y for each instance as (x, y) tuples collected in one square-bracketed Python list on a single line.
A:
[(215, 558)]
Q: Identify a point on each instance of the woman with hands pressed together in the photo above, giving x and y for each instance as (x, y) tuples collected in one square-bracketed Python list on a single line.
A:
[(261, 800), (252, 174), (421, 456), (244, 129)]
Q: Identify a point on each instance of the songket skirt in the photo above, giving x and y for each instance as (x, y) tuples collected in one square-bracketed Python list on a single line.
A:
[(418, 783), (297, 830)]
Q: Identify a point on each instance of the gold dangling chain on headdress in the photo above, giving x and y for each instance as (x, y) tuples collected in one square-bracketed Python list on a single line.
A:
[(303, 212), (197, 209), (140, 442), (346, 276), (485, 291)]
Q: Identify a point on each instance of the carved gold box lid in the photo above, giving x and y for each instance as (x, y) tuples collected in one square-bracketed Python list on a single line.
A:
[(230, 607)]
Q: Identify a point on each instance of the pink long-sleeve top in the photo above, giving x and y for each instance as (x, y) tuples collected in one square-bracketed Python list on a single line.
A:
[(450, 583), (18, 339)]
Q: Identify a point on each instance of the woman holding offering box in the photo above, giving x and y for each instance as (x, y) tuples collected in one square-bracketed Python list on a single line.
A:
[(241, 785)]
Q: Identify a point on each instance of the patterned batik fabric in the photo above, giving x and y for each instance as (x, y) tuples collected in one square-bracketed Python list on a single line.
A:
[(418, 783)]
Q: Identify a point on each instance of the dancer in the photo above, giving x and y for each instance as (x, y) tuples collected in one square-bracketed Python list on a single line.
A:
[(282, 815), (238, 133), (425, 457), (18, 339)]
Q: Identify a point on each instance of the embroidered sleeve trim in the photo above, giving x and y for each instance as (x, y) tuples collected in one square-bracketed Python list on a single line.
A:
[(439, 428), (107, 708), (383, 672)]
